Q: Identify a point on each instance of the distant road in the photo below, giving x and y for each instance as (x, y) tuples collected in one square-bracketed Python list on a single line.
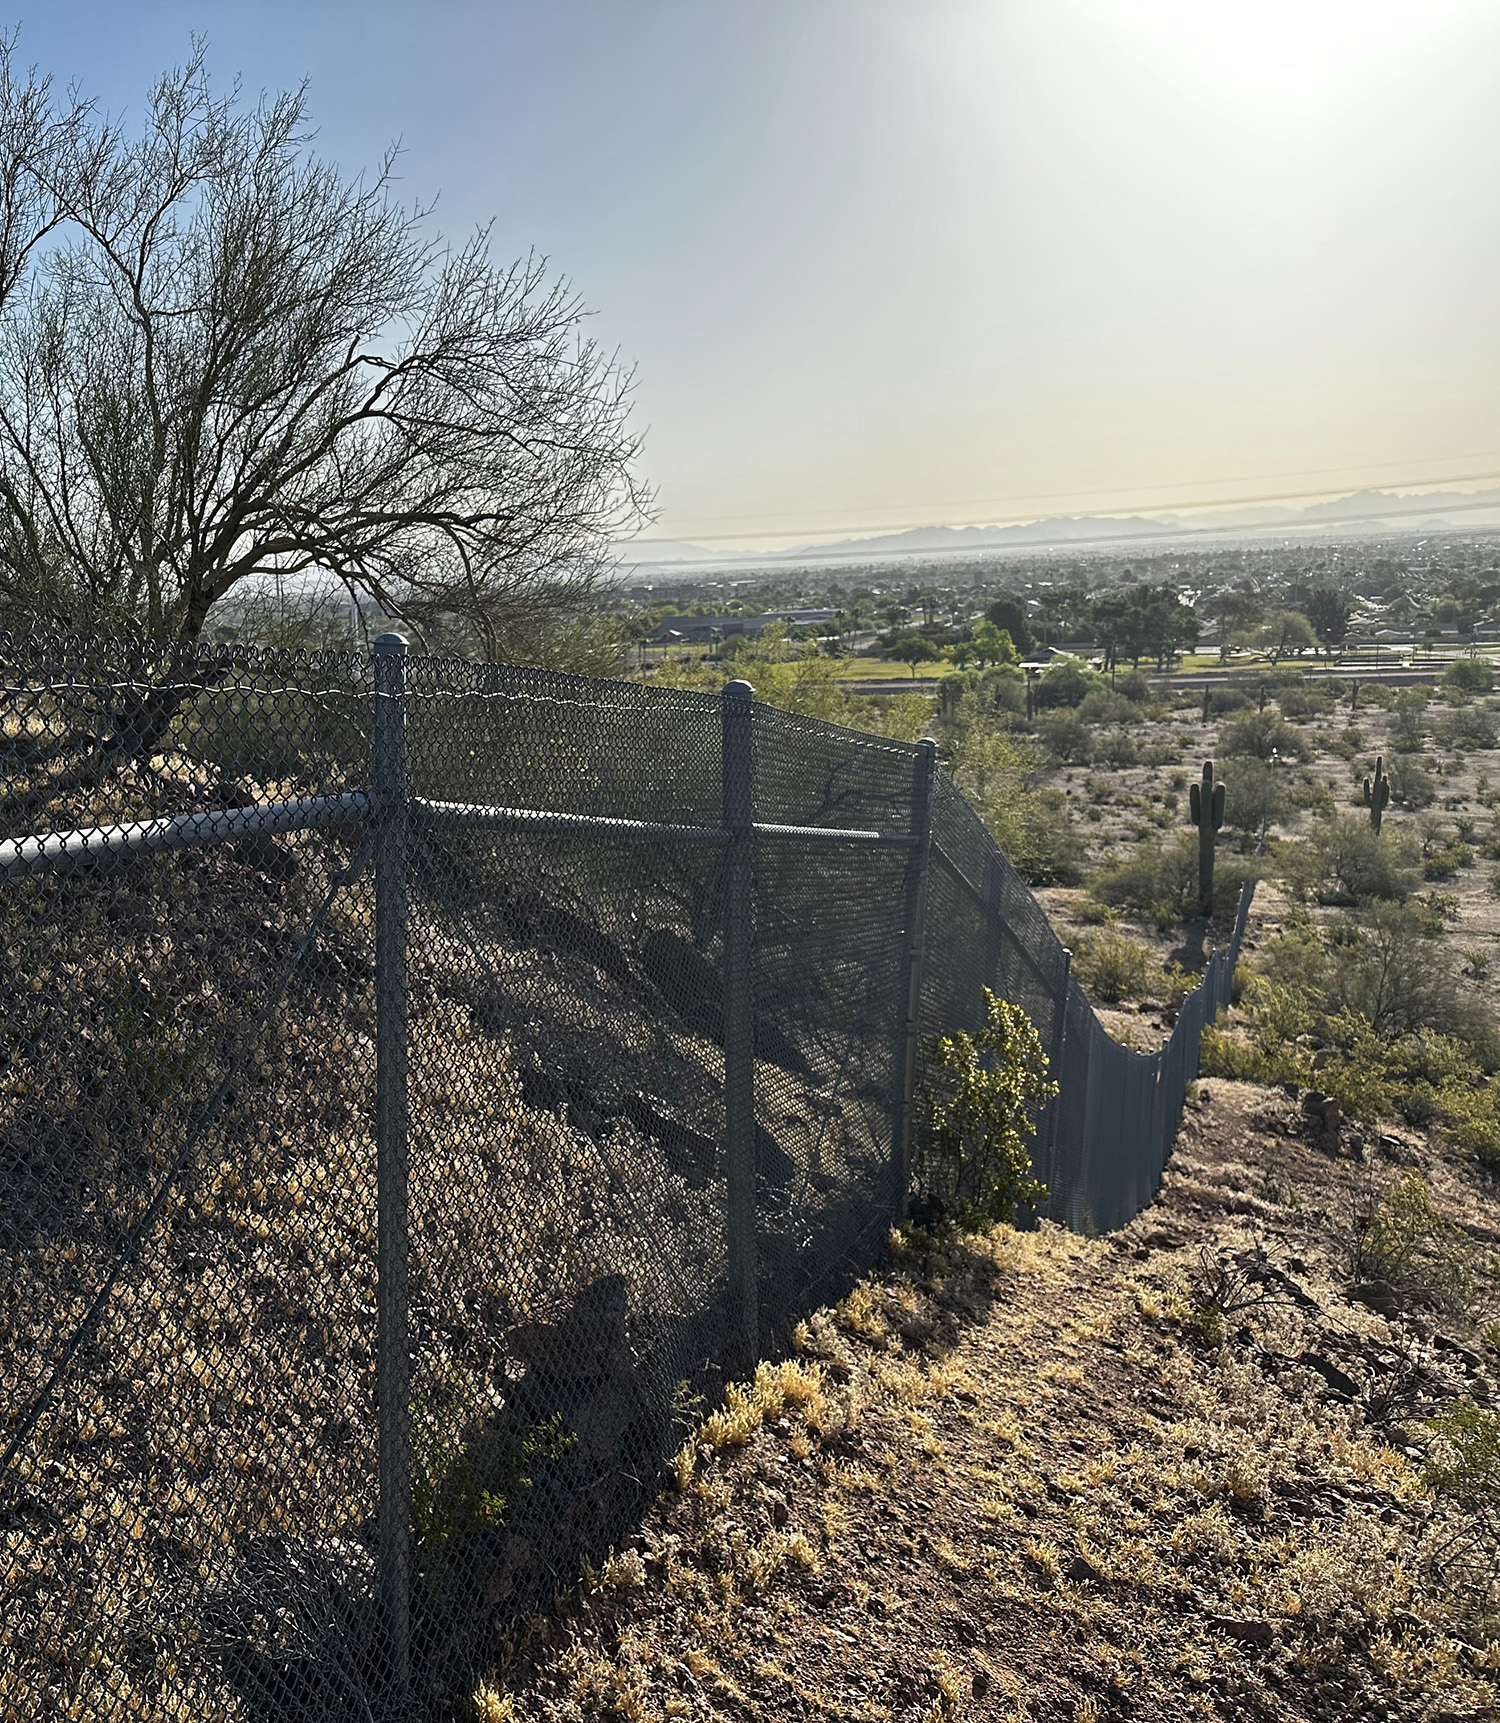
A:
[(1397, 676)]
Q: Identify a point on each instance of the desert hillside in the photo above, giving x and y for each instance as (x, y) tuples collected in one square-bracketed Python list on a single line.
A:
[(1186, 1471)]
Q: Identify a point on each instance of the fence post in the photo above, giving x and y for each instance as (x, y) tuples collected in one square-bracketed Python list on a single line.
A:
[(392, 1307), (739, 1021), (918, 869)]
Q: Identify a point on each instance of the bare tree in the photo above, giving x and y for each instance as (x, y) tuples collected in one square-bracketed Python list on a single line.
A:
[(231, 364)]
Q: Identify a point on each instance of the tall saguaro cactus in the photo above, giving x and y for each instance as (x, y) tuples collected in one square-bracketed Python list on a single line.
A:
[(1378, 793), (1206, 805)]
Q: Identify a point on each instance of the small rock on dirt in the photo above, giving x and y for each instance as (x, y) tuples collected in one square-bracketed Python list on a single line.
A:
[(1377, 1295), (1247, 1632)]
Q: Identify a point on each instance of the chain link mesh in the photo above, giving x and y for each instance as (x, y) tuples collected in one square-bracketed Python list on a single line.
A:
[(367, 1189)]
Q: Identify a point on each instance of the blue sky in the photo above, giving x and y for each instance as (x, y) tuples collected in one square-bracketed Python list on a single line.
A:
[(890, 261)]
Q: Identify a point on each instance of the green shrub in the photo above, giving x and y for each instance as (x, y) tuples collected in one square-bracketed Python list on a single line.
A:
[(1442, 861), (1304, 701), (1469, 727), (981, 1095), (1224, 1054), (1105, 706), (1261, 735), (1118, 749), (1135, 686), (1158, 882), (996, 770), (1066, 682), (1110, 966), (1090, 913), (1222, 701), (1411, 787), (1254, 793), (1409, 725), (1470, 676), (1405, 1240), (1344, 861), (1068, 737)]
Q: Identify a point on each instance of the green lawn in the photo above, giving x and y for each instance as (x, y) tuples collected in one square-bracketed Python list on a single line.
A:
[(882, 670)]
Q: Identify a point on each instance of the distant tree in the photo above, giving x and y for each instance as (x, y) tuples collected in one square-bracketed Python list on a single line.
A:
[(1239, 617), (1287, 632), (1328, 612), (993, 645), (1007, 613), (908, 646), (1114, 624)]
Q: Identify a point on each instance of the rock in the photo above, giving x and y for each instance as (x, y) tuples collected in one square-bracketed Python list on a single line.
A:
[(1247, 1632), (1081, 1569), (1331, 1374), (1377, 1295)]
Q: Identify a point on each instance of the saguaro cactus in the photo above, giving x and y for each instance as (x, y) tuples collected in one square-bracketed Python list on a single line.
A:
[(1378, 793), (1206, 805), (1205, 705)]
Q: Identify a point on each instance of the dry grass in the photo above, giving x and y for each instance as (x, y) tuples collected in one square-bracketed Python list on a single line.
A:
[(1059, 1499)]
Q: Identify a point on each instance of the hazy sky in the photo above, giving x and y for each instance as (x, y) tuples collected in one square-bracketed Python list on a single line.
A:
[(886, 262)]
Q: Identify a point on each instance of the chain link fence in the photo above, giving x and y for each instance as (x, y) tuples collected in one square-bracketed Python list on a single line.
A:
[(422, 1085)]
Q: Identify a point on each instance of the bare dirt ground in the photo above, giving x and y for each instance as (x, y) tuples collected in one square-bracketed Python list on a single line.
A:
[(1034, 1477)]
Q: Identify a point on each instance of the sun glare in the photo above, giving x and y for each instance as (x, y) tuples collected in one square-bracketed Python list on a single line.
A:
[(1276, 60)]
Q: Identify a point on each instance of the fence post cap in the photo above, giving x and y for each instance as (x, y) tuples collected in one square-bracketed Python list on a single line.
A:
[(390, 643), (739, 690)]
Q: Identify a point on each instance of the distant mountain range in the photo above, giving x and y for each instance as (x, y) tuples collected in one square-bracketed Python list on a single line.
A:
[(1368, 508)]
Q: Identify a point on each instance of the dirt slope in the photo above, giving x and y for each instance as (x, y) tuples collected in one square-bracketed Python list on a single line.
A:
[(1015, 1478)]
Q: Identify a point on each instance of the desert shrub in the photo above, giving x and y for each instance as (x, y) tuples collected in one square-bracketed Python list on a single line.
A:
[(1442, 861), (1003, 687), (1158, 882), (1135, 686), (1468, 727), (1304, 701), (997, 770), (1105, 706), (1118, 749), (1405, 1240), (1337, 743), (1221, 1053), (1066, 682), (981, 1096), (1089, 912), (1411, 787), (1343, 861), (1111, 966), (1470, 676), (1260, 735), (1254, 793), (1388, 968), (1377, 695), (1223, 701), (1463, 1471), (1067, 737), (1409, 720)]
